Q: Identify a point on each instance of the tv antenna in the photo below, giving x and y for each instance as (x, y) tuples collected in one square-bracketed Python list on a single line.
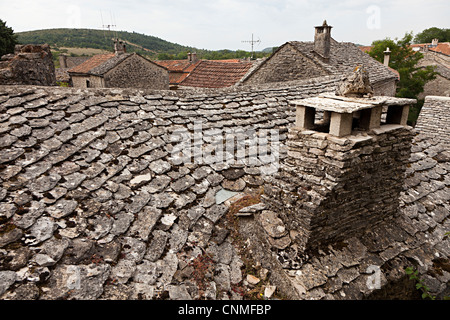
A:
[(252, 42), (108, 26)]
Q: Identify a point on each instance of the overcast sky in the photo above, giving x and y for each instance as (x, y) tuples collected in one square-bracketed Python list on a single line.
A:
[(224, 24)]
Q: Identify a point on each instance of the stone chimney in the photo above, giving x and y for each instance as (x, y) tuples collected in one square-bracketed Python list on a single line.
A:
[(387, 56), (434, 42), (119, 47), (345, 171), (322, 40), (63, 61), (192, 57)]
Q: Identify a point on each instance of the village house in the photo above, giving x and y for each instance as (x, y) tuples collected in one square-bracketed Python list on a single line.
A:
[(120, 70), (436, 54), (196, 73), (179, 69), (65, 64), (297, 60)]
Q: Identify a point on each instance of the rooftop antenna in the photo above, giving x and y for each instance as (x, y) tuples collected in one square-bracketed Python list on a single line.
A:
[(108, 26), (113, 20), (252, 42)]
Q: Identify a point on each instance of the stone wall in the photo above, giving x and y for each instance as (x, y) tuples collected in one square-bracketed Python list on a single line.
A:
[(29, 65), (441, 85), (336, 188), (288, 64), (437, 87), (137, 72), (434, 119), (385, 88), (87, 81)]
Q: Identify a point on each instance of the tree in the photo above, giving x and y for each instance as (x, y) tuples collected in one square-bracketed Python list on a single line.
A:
[(427, 35), (403, 59), (8, 39)]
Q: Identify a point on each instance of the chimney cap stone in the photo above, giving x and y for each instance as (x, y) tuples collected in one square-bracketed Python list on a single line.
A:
[(340, 104)]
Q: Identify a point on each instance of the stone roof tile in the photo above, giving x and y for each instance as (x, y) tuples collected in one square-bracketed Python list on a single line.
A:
[(91, 190)]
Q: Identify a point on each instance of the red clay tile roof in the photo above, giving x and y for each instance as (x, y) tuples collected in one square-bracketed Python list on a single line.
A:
[(365, 48), (442, 47), (178, 69), (216, 74), (92, 63), (177, 77), (177, 65)]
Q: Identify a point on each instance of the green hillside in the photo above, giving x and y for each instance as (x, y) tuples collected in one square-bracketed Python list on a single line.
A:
[(152, 47), (100, 39)]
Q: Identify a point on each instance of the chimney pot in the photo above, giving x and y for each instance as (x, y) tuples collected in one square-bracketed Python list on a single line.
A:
[(387, 55), (119, 47)]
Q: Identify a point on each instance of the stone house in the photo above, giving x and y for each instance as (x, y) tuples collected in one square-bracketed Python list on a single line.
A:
[(435, 54), (179, 69), (297, 60), (65, 64), (120, 70), (438, 55)]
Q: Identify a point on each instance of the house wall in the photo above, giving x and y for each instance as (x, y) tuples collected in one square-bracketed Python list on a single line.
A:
[(437, 87), (385, 88), (94, 81), (441, 85), (433, 118), (287, 64), (137, 72)]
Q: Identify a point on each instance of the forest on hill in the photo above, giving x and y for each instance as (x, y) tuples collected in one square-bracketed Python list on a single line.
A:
[(149, 46)]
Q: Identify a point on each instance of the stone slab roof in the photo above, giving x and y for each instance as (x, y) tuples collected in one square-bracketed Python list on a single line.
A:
[(434, 118), (349, 105), (91, 63), (89, 189), (102, 63), (344, 58), (94, 204)]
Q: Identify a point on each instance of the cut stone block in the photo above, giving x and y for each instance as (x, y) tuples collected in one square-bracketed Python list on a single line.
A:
[(305, 117), (341, 124), (397, 114)]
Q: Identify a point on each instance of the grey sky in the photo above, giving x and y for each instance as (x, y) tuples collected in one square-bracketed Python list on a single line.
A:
[(223, 24)]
